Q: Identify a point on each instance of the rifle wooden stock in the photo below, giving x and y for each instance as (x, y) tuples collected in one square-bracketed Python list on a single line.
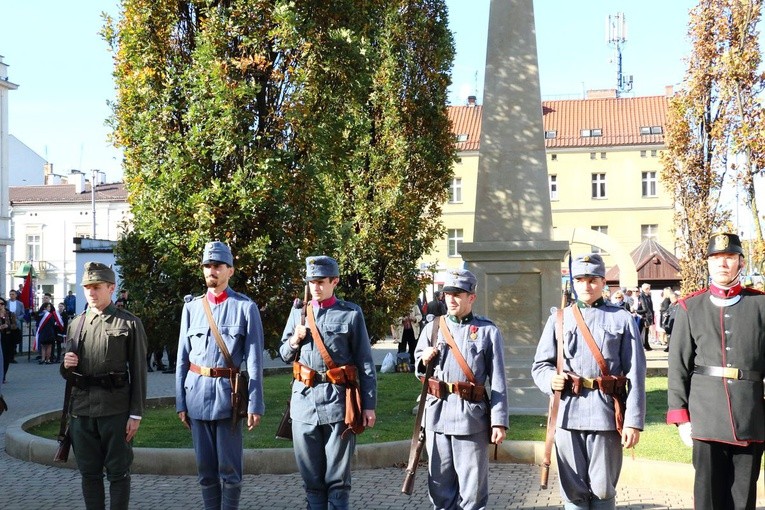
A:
[(418, 434), (552, 411)]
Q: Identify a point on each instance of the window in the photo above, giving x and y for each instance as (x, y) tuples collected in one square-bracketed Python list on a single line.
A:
[(602, 155), (598, 185), (651, 130), (649, 184), (586, 133), (592, 155), (603, 229), (553, 157), (34, 247), (553, 182), (649, 232), (454, 242), (643, 154), (462, 138), (550, 134), (645, 130), (653, 153), (455, 191), (83, 230)]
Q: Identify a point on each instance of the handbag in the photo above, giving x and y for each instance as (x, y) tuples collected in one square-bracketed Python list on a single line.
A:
[(239, 379)]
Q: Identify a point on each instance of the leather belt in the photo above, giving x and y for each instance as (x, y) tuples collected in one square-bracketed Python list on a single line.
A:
[(213, 371), (728, 373)]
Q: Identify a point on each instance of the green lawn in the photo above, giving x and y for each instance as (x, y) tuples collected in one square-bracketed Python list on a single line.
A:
[(396, 398)]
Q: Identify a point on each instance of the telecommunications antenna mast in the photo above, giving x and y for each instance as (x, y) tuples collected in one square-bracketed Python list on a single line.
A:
[(616, 36)]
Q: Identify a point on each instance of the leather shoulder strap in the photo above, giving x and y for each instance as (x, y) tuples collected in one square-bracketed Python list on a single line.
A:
[(216, 333), (317, 338), (590, 341), (455, 350)]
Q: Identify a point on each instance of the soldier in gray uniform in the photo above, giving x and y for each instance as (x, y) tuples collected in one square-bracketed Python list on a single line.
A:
[(462, 416), (323, 445), (715, 390), (588, 447), (107, 362)]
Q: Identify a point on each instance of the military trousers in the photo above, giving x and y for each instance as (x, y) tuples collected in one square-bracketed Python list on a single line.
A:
[(219, 451), (323, 457), (726, 475), (458, 470), (589, 464), (99, 443)]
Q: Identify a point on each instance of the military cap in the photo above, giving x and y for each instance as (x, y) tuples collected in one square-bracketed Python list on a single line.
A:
[(96, 272), (460, 280), (588, 265), (217, 252), (724, 242), (320, 267)]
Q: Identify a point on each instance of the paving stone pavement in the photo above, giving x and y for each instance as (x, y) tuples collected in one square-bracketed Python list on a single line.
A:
[(34, 388)]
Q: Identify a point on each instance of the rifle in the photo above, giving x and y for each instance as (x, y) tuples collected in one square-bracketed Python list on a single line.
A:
[(284, 429), (552, 411), (418, 434)]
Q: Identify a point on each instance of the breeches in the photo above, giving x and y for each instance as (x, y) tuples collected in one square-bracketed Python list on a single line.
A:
[(458, 470), (324, 460), (589, 464), (100, 443), (219, 451)]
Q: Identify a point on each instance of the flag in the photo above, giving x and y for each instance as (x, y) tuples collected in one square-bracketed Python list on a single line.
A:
[(27, 297)]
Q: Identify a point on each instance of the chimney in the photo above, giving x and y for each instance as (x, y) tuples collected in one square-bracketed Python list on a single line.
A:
[(471, 101), (78, 179), (601, 94), (669, 90)]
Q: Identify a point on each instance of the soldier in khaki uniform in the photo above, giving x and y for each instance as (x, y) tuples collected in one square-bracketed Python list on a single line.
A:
[(106, 357)]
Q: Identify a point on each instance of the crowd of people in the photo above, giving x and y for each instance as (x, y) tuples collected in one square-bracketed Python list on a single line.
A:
[(590, 360)]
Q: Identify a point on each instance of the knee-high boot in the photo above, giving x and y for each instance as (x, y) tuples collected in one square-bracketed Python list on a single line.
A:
[(119, 494), (93, 493), (231, 494), (211, 497)]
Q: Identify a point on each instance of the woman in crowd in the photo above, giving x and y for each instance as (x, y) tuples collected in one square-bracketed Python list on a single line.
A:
[(7, 340)]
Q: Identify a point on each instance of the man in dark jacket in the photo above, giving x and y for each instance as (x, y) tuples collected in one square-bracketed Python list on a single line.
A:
[(716, 368), (645, 311)]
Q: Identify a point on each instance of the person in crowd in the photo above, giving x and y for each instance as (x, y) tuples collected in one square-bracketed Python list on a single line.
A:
[(406, 333), (323, 443), (61, 333), (7, 339), (588, 444), (436, 307), (204, 377), (618, 300), (70, 304), (715, 390), (48, 328), (645, 311), (467, 397), (16, 307), (106, 361)]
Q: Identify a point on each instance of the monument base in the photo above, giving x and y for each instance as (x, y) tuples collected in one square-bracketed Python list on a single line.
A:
[(518, 283)]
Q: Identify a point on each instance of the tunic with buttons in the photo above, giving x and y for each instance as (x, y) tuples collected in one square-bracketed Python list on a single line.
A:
[(113, 341), (481, 344), (238, 320), (344, 334), (717, 332), (616, 335)]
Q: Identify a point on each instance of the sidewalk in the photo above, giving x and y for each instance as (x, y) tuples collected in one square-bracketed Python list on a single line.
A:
[(34, 388)]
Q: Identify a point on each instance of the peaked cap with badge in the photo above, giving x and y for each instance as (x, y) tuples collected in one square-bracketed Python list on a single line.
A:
[(724, 242), (97, 272), (320, 267), (460, 280)]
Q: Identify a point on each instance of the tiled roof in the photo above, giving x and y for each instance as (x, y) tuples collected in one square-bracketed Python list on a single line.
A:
[(466, 120), (64, 193), (619, 120), (653, 263)]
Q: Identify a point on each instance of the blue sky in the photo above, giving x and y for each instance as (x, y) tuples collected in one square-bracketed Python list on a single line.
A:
[(63, 68)]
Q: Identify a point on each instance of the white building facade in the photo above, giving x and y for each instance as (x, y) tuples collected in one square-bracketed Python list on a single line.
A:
[(48, 223), (5, 223)]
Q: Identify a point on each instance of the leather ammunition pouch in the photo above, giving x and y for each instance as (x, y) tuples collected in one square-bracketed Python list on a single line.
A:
[(464, 389), (345, 374), (108, 381), (615, 385)]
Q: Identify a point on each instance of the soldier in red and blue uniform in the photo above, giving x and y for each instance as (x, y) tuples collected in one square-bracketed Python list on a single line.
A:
[(716, 369)]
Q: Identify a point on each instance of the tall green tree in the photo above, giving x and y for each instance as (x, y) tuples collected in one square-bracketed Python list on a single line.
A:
[(714, 125), (284, 129)]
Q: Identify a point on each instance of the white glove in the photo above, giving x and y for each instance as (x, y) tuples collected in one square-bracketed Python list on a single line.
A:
[(685, 433)]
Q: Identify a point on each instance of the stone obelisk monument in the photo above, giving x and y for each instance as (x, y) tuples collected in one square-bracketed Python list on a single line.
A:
[(512, 254)]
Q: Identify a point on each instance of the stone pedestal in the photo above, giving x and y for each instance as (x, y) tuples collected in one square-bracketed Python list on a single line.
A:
[(513, 255)]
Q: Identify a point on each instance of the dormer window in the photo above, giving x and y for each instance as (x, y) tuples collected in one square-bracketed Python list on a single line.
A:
[(462, 138), (550, 135), (651, 130), (587, 133)]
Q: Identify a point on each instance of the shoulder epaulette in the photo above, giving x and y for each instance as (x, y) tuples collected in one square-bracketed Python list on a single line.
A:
[(484, 319), (755, 292), (682, 300)]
